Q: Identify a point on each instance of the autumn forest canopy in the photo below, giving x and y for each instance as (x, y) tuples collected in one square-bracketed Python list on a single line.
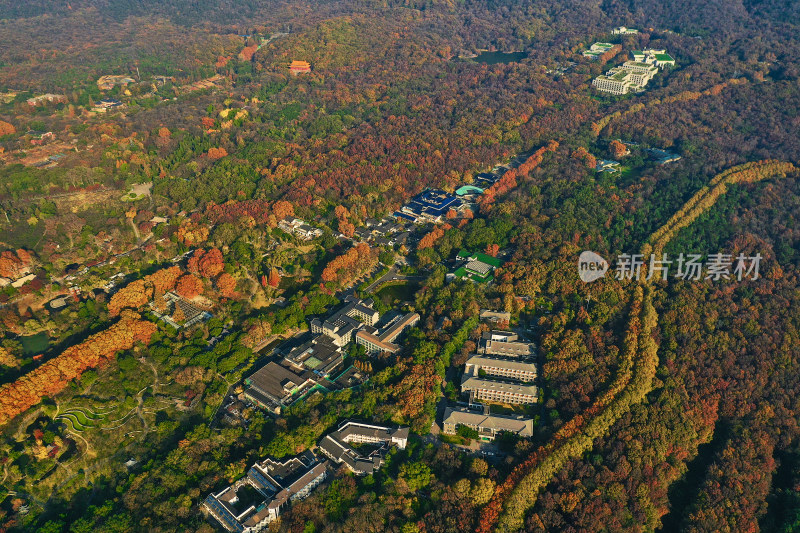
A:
[(188, 189)]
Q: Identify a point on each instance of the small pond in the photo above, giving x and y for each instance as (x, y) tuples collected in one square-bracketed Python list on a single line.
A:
[(35, 344)]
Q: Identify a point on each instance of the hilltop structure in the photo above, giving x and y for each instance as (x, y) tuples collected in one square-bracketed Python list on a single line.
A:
[(299, 67), (597, 50), (633, 76)]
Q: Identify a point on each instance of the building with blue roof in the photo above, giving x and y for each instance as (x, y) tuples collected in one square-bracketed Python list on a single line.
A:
[(431, 205)]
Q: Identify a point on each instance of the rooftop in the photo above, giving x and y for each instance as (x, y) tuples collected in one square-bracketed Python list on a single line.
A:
[(500, 386), (276, 382), (482, 361), (520, 425), (336, 445)]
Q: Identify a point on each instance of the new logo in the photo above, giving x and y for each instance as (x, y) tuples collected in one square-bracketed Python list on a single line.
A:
[(591, 266)]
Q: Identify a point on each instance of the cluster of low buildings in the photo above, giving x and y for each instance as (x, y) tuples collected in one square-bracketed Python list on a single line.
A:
[(253, 502), (431, 205), (48, 98), (314, 361), (173, 306), (106, 105), (633, 76), (299, 228), (607, 166), (385, 232), (662, 157), (108, 82)]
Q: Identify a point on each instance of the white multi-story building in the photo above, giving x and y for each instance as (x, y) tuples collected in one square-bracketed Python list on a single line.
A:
[(344, 323), (375, 341), (652, 56), (500, 391), (518, 370), (336, 445), (487, 425), (630, 76)]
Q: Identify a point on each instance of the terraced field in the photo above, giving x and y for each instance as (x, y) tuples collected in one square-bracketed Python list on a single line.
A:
[(80, 419)]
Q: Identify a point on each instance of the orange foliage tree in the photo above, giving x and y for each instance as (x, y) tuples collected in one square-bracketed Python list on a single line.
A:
[(217, 153), (274, 278), (189, 286), (6, 128), (260, 211), (137, 293), (248, 52), (348, 266), (192, 234), (509, 180), (6, 358), (430, 239), (582, 154), (14, 264), (617, 149), (226, 285), (207, 264)]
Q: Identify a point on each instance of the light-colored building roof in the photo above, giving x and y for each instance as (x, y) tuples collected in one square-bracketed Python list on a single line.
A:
[(523, 349), (488, 314), (472, 383), (520, 425), (483, 361), (479, 267)]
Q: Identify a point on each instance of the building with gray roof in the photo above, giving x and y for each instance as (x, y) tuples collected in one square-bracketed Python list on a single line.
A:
[(337, 445), (487, 425), (256, 500)]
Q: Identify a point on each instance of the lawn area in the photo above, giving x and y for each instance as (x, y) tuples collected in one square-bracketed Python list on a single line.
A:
[(454, 439), (507, 409), (397, 292)]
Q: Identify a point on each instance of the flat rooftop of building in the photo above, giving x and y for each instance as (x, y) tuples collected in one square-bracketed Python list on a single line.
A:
[(500, 386), (510, 364), (515, 349), (499, 335)]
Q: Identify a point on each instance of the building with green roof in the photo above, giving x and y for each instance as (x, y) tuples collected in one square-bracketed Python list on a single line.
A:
[(477, 267)]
